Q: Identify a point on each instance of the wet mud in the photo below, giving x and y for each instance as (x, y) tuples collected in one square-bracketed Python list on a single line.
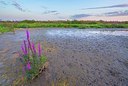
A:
[(84, 57)]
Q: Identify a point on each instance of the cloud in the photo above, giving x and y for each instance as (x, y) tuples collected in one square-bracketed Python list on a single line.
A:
[(117, 13), (106, 18), (44, 7), (78, 16), (108, 14), (18, 6), (3, 2), (49, 12), (112, 6)]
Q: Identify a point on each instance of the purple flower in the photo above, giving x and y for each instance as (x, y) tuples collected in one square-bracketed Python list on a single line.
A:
[(23, 50), (33, 47), (28, 66), (28, 40), (28, 34), (39, 49)]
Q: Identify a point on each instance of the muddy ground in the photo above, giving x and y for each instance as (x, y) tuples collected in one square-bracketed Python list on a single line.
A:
[(84, 57)]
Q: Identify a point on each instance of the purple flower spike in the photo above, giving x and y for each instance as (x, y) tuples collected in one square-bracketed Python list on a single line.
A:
[(39, 49), (28, 40), (23, 50), (28, 66), (28, 34), (33, 47)]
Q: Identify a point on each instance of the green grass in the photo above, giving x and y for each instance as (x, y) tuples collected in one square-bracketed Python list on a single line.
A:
[(7, 26)]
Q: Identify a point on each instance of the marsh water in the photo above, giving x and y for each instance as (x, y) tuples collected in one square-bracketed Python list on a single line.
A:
[(86, 57)]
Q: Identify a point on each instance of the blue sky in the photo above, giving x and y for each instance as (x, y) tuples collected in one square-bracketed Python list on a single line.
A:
[(64, 9)]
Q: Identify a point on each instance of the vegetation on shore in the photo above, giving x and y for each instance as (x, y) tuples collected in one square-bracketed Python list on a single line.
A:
[(6, 26), (32, 59)]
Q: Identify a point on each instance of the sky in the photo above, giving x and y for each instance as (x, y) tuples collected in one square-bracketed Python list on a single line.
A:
[(107, 10)]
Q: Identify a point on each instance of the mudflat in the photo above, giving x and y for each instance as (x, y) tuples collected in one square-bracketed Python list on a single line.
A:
[(86, 57)]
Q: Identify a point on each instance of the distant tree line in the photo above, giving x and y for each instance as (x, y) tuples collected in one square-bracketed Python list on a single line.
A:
[(68, 21)]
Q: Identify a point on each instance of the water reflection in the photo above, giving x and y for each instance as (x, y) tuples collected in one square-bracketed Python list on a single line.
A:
[(83, 33), (39, 34)]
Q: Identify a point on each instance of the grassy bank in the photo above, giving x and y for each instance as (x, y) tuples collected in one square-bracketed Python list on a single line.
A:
[(6, 26)]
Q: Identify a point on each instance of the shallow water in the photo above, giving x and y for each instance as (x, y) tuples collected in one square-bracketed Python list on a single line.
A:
[(92, 56), (38, 33)]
